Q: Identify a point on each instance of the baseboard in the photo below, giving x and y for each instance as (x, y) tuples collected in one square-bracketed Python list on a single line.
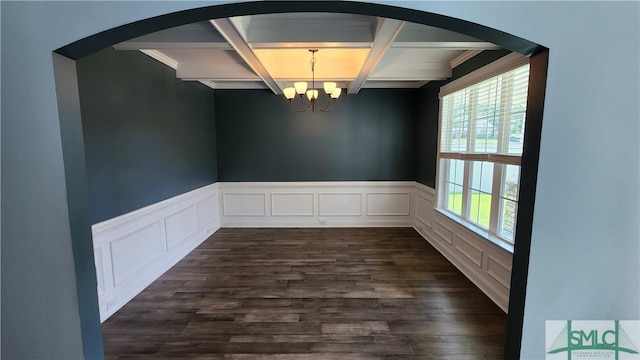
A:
[(486, 264), (314, 223), (472, 274), (133, 250)]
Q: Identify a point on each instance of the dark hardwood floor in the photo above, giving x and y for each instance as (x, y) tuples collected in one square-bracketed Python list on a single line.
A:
[(365, 293)]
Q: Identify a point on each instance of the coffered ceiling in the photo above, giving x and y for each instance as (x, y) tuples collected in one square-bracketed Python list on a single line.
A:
[(271, 51)]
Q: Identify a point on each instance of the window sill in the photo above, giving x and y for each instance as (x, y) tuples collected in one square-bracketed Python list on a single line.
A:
[(504, 244)]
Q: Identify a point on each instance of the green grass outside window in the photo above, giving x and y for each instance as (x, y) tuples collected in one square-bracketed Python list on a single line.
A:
[(480, 210)]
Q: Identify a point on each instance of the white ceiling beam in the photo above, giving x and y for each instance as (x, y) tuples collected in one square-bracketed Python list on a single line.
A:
[(343, 84), (241, 86), (171, 45), (191, 36), (447, 45), (241, 24), (464, 57), (218, 79), (227, 85), (388, 30), (161, 57), (208, 83), (311, 45), (422, 75), (372, 84), (412, 71), (209, 70), (235, 39)]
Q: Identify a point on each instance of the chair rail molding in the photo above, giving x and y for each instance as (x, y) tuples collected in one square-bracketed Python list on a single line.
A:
[(134, 249)]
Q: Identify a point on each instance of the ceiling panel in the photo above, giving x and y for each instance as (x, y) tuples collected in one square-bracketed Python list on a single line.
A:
[(422, 36), (417, 64), (210, 64), (288, 64), (419, 55), (196, 35), (271, 51), (309, 27)]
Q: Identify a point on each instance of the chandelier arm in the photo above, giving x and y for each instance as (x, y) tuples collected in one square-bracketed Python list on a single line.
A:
[(311, 107), (324, 108), (293, 107), (329, 106)]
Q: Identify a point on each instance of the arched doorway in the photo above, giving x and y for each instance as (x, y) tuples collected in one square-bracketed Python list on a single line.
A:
[(538, 56)]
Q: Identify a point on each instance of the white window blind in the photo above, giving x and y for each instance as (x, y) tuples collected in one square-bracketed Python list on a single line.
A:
[(482, 118), (485, 121)]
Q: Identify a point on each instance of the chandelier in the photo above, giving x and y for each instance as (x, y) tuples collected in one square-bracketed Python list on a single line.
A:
[(330, 88)]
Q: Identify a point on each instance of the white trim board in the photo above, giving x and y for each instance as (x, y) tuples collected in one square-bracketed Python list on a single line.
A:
[(133, 250), (485, 263), (505, 63), (314, 204)]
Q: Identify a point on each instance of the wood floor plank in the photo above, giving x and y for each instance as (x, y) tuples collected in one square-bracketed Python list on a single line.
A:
[(356, 328), (309, 294)]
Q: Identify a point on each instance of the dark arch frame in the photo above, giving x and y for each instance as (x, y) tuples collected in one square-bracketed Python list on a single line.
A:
[(71, 129)]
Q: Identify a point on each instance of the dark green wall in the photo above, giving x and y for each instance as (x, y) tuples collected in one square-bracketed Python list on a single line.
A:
[(148, 136), (78, 204), (426, 130), (426, 135), (368, 136)]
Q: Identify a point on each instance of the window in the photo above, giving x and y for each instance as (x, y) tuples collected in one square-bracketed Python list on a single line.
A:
[(482, 117)]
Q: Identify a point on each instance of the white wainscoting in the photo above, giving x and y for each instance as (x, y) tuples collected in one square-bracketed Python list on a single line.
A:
[(134, 249), (313, 204), (486, 264)]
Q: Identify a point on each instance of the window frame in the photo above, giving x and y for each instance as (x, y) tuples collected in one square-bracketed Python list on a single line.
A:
[(499, 160)]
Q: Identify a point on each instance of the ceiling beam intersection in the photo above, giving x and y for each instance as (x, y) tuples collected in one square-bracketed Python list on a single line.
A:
[(388, 31), (226, 28)]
